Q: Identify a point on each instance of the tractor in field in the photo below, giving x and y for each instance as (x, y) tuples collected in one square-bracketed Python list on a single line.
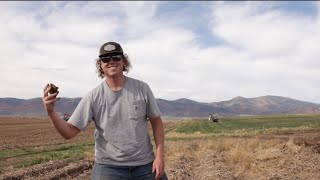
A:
[(214, 117), (64, 116)]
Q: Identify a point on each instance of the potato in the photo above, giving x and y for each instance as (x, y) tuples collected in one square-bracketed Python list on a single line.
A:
[(53, 88)]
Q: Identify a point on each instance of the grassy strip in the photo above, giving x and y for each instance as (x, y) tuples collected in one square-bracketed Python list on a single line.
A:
[(32, 156)]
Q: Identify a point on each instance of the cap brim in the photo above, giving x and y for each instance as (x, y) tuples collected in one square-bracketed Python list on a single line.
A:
[(114, 53)]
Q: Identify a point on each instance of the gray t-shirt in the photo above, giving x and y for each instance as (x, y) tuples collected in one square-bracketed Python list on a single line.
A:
[(121, 119)]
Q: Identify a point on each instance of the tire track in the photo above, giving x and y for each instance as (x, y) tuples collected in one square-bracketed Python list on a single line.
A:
[(34, 171), (72, 170)]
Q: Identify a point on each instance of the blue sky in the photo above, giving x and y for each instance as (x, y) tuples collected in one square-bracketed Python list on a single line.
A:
[(205, 51)]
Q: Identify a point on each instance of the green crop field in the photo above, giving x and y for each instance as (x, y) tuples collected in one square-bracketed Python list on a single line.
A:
[(249, 125)]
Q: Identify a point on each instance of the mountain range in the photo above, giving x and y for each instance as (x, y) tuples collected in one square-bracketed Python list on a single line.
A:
[(264, 105)]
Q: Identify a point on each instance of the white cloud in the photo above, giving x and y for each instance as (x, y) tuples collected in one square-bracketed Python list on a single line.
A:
[(260, 49), (262, 33), (279, 48)]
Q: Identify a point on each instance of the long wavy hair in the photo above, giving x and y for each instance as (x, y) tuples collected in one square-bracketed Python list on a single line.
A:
[(126, 68)]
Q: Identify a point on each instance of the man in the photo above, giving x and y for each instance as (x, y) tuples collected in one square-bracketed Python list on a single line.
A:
[(120, 108)]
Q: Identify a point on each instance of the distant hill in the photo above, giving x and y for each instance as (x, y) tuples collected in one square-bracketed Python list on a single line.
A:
[(188, 108), (31, 107), (264, 105)]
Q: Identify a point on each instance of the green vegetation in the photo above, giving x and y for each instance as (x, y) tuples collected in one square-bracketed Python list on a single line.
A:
[(249, 125), (31, 156)]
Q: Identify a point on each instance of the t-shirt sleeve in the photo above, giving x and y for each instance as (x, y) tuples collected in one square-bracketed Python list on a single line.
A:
[(152, 106), (82, 115)]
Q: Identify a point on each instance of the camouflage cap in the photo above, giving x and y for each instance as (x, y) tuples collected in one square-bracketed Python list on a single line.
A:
[(110, 49)]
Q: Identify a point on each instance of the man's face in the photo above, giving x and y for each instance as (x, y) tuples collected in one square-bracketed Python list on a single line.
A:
[(112, 66)]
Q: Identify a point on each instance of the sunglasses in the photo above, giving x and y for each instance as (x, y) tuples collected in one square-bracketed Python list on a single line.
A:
[(107, 59)]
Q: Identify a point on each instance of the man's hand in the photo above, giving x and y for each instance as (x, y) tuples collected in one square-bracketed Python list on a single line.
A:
[(49, 99), (158, 167)]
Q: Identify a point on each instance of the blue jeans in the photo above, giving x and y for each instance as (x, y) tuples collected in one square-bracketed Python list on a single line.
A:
[(112, 172)]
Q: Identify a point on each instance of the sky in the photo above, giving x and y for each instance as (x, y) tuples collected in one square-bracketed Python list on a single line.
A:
[(205, 51)]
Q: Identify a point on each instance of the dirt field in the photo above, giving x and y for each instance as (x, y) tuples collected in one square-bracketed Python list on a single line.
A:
[(23, 132), (287, 156)]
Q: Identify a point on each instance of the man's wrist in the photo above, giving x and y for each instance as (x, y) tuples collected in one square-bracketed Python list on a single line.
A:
[(160, 153)]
